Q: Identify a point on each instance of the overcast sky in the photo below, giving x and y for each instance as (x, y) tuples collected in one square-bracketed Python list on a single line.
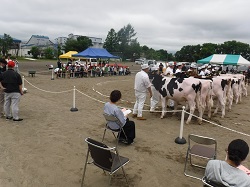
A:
[(159, 24)]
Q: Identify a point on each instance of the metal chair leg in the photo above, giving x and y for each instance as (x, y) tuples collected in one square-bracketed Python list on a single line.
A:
[(84, 171), (104, 134)]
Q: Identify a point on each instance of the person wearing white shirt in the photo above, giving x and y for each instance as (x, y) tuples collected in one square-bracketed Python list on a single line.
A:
[(179, 68), (169, 72), (207, 71), (170, 69), (156, 96), (142, 85), (202, 72)]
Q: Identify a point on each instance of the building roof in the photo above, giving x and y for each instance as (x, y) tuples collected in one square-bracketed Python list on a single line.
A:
[(14, 39)]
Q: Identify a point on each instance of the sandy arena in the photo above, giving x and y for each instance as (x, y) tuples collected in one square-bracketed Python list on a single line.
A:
[(47, 148)]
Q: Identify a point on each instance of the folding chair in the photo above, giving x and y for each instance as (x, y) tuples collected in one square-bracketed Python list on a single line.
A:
[(104, 157), (111, 118), (201, 147), (208, 183)]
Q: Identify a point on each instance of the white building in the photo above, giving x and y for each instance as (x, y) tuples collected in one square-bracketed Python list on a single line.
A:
[(97, 42), (35, 41), (61, 41)]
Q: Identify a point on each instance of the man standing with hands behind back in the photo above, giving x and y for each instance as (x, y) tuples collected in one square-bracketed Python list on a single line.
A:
[(142, 85), (12, 83)]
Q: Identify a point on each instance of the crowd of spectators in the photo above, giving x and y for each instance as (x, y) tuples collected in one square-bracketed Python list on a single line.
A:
[(81, 69)]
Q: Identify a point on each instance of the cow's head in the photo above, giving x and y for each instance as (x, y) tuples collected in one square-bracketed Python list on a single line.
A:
[(159, 82)]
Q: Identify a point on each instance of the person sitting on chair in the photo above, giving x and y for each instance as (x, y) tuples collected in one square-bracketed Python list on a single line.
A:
[(226, 172), (110, 108)]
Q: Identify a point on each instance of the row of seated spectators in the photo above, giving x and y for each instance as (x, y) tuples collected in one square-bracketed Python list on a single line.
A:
[(82, 70)]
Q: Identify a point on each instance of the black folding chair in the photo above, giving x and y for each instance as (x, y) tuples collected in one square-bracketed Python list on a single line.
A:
[(208, 183), (201, 147), (111, 118), (104, 157)]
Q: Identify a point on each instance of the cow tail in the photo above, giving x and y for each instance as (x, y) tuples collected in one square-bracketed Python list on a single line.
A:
[(198, 97)]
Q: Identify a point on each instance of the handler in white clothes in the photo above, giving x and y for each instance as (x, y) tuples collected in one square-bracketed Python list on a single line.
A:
[(170, 69), (156, 96), (169, 72), (142, 85)]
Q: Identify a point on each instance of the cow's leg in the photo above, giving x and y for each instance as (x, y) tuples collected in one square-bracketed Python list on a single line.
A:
[(163, 105), (236, 96), (217, 106), (230, 101), (223, 107), (192, 108), (209, 106)]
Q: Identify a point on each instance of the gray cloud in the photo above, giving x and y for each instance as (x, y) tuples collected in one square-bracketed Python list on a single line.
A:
[(160, 24)]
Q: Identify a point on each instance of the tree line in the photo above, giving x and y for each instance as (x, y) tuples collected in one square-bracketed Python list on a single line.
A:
[(124, 44)]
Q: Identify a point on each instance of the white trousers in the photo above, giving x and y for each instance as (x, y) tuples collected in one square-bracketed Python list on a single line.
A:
[(139, 103), (154, 100), (171, 102)]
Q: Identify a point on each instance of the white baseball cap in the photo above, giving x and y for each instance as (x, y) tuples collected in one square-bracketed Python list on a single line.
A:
[(154, 68), (171, 63), (144, 66), (179, 64)]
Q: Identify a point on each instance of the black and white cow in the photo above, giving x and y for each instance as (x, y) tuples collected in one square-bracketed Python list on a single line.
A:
[(179, 90)]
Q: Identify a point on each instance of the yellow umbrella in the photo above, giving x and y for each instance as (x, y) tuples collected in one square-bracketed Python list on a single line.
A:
[(68, 54)]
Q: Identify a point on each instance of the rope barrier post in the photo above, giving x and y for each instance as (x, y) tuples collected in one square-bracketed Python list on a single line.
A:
[(181, 139), (74, 109), (52, 74), (24, 89)]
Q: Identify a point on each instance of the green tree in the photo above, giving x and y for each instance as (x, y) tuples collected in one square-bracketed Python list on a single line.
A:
[(234, 47), (5, 44), (80, 44), (162, 54), (49, 53), (58, 51), (126, 39), (111, 42), (35, 51)]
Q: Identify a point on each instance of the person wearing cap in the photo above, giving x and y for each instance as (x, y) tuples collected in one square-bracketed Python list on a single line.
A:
[(192, 72), (169, 72), (170, 69), (202, 72), (179, 68), (142, 85), (156, 96), (179, 73), (12, 83), (208, 70), (3, 64), (227, 172), (161, 68)]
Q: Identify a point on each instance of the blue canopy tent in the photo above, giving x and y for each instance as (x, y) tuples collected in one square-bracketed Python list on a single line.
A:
[(95, 53), (224, 59)]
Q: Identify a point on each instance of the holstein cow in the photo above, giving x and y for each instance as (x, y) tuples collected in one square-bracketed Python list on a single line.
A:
[(179, 90), (206, 96), (242, 84), (221, 90)]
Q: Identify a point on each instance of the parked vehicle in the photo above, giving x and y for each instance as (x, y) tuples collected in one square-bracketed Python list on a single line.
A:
[(140, 61)]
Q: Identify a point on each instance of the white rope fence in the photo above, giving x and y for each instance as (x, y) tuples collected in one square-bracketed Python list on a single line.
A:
[(46, 90), (242, 133), (100, 83), (179, 140)]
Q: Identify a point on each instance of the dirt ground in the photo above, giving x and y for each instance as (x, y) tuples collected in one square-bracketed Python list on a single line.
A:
[(47, 148)]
